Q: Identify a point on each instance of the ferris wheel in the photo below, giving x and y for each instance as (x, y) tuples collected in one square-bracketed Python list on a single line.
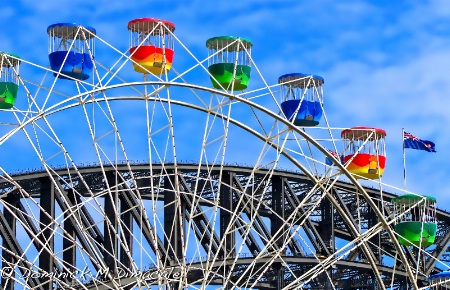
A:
[(142, 173)]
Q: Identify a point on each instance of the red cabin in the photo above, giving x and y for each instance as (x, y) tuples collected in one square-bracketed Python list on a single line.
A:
[(151, 47), (364, 151)]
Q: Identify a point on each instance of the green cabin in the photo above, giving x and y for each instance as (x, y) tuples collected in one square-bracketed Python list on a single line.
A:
[(229, 62), (416, 219), (9, 79)]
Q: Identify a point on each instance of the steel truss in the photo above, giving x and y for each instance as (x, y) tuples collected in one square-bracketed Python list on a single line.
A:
[(288, 235)]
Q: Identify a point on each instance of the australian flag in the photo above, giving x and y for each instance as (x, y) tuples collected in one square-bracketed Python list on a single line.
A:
[(413, 142)]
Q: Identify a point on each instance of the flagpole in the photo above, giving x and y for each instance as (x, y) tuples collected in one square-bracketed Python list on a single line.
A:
[(404, 158)]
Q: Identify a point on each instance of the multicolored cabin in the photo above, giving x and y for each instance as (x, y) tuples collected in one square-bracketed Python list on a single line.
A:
[(415, 219), (302, 98), (440, 281), (229, 62), (71, 49), (151, 45), (9, 79), (364, 151)]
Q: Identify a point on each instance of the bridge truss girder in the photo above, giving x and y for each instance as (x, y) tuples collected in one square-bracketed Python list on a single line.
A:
[(194, 189)]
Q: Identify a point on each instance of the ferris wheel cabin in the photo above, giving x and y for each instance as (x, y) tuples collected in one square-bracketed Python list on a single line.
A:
[(229, 62), (440, 281), (151, 45), (302, 98), (71, 48), (418, 226), (9, 80), (364, 151)]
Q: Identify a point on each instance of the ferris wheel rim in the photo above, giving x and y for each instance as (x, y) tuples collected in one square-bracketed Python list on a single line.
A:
[(236, 97)]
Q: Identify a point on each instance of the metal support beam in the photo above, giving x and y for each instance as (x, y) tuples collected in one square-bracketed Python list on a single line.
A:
[(372, 220), (278, 227), (47, 225), (8, 260), (174, 217), (174, 212), (277, 224), (326, 228), (111, 223), (227, 226), (126, 247), (279, 274), (69, 246), (227, 223)]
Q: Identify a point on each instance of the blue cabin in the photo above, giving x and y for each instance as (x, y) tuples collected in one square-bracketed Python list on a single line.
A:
[(71, 49), (440, 281), (302, 98)]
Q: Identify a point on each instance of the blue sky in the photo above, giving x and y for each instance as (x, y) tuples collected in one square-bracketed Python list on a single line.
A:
[(384, 63)]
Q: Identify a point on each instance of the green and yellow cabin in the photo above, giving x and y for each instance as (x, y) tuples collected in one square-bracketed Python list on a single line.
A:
[(415, 220), (229, 62), (9, 79), (151, 45)]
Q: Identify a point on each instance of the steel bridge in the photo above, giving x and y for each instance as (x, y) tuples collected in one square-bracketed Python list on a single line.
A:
[(123, 189)]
